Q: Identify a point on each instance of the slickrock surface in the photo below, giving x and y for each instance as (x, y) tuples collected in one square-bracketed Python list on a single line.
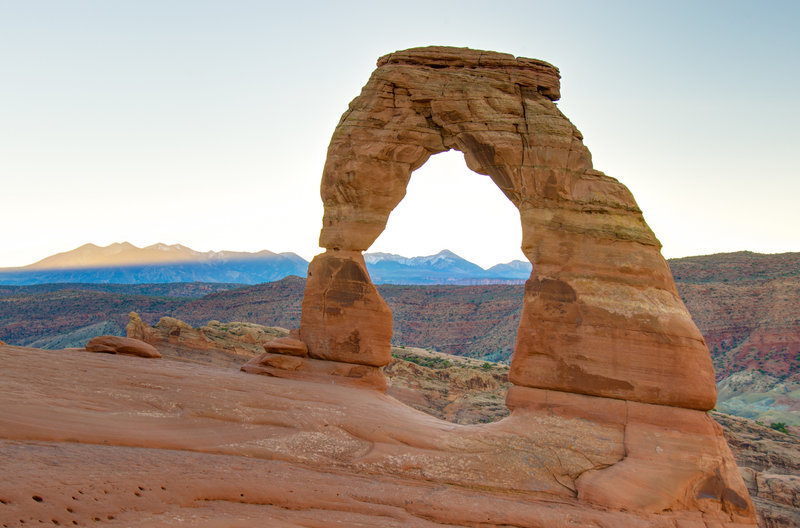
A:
[(277, 362), (140, 443), (469, 391), (601, 315), (122, 345)]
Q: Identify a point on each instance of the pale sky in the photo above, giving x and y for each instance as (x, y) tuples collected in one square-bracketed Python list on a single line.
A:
[(206, 123)]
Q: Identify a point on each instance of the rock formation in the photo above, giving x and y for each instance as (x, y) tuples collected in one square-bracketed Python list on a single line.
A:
[(177, 339), (604, 338), (601, 315), (610, 377), (122, 345), (141, 443)]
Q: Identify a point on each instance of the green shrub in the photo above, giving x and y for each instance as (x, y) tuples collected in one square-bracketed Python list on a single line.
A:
[(430, 362), (779, 426)]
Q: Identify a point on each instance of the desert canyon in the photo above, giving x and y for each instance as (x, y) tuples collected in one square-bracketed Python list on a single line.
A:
[(610, 381)]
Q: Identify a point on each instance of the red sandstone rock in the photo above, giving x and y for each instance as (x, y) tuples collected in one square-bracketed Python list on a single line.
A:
[(619, 442), (122, 345), (174, 337), (344, 318), (601, 314), (288, 346), (215, 445), (308, 369), (673, 458)]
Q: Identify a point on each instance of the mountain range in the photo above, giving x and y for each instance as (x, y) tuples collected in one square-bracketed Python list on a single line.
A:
[(124, 263)]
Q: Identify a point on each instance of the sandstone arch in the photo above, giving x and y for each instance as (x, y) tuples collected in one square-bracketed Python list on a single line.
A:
[(601, 315)]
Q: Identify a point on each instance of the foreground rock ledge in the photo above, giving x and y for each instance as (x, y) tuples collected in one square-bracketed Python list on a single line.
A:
[(215, 445)]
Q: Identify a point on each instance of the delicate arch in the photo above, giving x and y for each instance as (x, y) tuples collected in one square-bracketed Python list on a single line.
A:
[(601, 315)]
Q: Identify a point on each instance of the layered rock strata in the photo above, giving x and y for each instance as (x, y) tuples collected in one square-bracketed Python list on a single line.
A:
[(601, 315), (604, 340), (288, 358)]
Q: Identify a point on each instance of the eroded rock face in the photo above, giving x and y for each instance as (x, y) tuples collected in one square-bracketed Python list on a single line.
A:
[(604, 340), (601, 314), (344, 317), (605, 346)]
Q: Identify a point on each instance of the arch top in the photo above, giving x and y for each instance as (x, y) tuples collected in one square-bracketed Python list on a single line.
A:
[(527, 72)]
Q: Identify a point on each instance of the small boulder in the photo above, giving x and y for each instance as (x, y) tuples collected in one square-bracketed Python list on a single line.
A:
[(122, 345), (287, 346)]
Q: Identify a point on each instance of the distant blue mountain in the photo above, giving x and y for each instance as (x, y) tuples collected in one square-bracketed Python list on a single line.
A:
[(516, 269), (443, 268), (124, 263)]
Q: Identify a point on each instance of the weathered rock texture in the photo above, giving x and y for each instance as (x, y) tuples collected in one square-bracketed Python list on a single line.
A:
[(469, 391), (344, 317), (143, 443), (179, 340), (605, 346), (601, 315), (770, 464)]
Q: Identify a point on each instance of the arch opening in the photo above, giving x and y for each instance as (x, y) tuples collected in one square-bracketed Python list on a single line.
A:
[(454, 326), (447, 206), (445, 199)]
